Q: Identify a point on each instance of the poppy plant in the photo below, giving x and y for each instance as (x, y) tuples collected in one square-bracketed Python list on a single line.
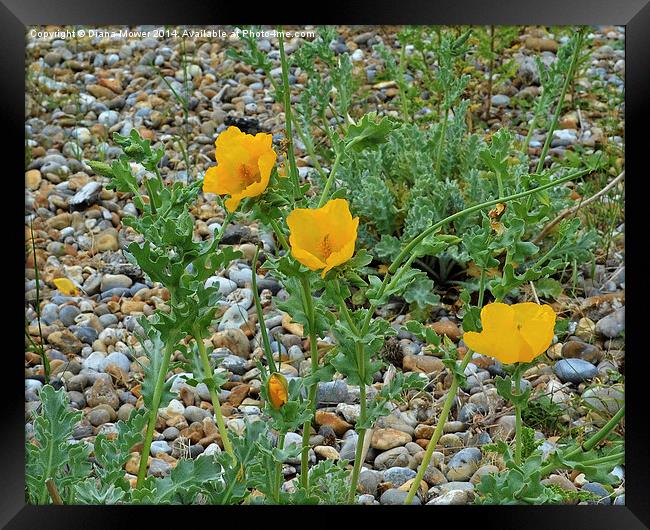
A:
[(322, 238), (244, 165), (513, 333)]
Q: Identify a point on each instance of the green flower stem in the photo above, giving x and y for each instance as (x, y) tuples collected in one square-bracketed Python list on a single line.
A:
[(153, 413), (268, 352), (286, 92), (213, 395), (518, 423), (603, 460), (330, 178), (309, 146), (278, 470), (306, 428), (152, 198), (443, 134), (403, 96), (361, 433), (361, 363), (603, 432), (591, 442), (481, 288), (437, 433), (560, 103), (529, 136), (278, 233)]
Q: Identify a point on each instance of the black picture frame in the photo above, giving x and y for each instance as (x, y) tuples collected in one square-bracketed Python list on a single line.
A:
[(16, 15)]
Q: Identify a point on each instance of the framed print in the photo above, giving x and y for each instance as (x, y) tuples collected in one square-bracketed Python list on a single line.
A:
[(328, 264)]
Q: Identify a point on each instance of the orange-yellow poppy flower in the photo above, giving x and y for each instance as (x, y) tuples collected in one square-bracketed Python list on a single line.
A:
[(513, 333), (323, 238), (278, 390), (244, 165)]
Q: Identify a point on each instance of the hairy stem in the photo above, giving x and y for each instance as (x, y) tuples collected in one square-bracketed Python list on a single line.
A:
[(437, 433), (268, 352), (518, 423), (153, 413), (205, 362), (306, 428), (330, 179), (286, 92), (560, 103), (278, 470)]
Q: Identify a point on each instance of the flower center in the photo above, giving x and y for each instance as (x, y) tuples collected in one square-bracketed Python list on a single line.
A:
[(248, 175), (325, 246)]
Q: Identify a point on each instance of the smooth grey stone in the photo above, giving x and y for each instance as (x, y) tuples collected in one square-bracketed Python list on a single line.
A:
[(396, 497), (332, 392), (398, 475), (67, 314), (119, 359), (599, 490), (574, 370)]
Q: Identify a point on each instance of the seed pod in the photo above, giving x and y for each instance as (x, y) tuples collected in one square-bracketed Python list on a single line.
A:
[(278, 390)]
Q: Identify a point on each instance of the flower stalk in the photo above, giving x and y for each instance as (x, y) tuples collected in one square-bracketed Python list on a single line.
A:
[(437, 433), (153, 413), (205, 362), (313, 346), (518, 422), (288, 118)]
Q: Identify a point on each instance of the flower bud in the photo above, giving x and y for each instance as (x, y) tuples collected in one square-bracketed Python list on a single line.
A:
[(277, 390)]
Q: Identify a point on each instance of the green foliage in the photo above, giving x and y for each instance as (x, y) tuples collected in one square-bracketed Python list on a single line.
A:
[(51, 456), (518, 484), (330, 482), (542, 414)]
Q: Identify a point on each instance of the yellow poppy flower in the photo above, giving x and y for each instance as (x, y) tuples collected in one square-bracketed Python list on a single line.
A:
[(323, 238), (66, 287), (278, 390), (513, 333), (244, 164)]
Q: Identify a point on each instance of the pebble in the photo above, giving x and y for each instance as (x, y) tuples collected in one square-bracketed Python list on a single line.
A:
[(159, 467), (331, 392), (234, 318), (115, 281), (574, 370), (193, 414), (234, 364), (100, 415), (605, 399), (451, 498), (117, 359), (67, 315), (396, 457), (598, 489), (398, 475), (463, 464), (612, 325), (500, 100), (233, 339), (95, 361), (158, 447), (384, 439), (224, 285), (396, 497)]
